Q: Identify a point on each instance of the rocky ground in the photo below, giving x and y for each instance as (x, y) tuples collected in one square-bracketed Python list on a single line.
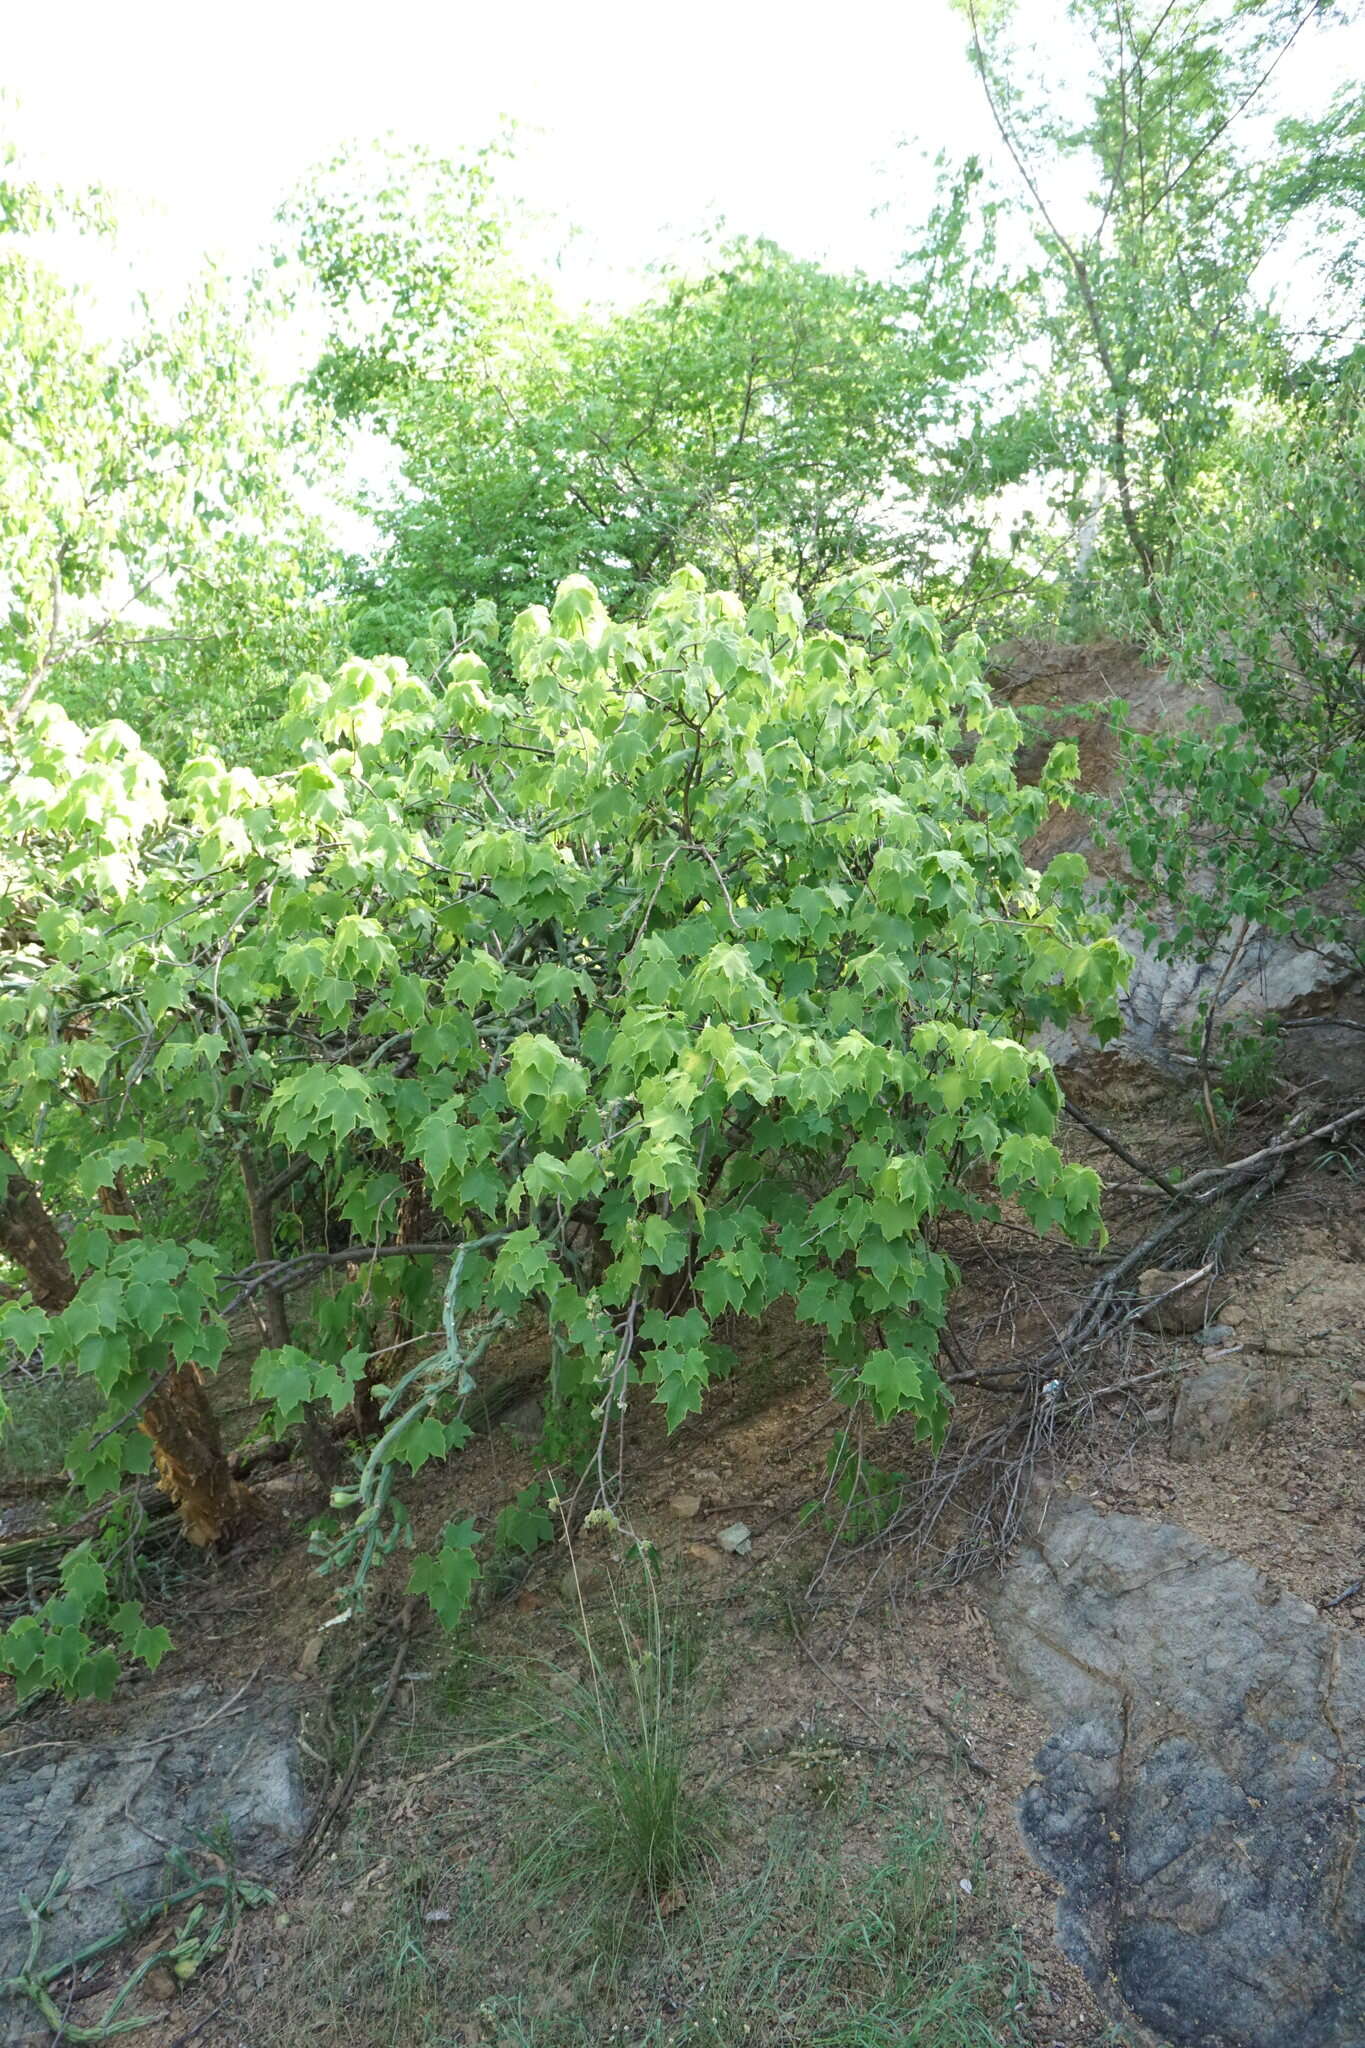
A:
[(1141, 1739)]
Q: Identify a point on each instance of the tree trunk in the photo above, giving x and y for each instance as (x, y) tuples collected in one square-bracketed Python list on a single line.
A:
[(187, 1451), (186, 1446), (32, 1240)]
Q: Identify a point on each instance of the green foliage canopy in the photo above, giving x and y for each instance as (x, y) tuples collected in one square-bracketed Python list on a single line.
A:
[(1151, 216), (1257, 816), (700, 971)]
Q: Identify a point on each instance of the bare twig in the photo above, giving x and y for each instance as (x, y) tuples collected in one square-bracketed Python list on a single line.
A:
[(962, 1744), (328, 1814), (1120, 1151), (977, 1488)]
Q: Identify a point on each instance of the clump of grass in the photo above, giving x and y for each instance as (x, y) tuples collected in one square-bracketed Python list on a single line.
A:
[(618, 1906), (899, 1957), (812, 1951), (619, 1814), (364, 1973)]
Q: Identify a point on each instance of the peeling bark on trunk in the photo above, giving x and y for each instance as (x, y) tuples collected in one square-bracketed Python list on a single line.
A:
[(187, 1451), (187, 1448), (32, 1240)]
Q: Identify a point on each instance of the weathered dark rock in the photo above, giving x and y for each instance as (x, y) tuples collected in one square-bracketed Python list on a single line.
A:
[(188, 1776), (1200, 1797)]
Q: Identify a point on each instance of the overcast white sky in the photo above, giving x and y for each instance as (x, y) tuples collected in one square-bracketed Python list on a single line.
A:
[(638, 124)]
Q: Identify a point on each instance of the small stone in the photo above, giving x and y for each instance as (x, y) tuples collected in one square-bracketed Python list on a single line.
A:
[(526, 1422), (737, 1539), (1355, 1397), (309, 1655), (769, 1742), (1280, 1347), (1198, 1298), (686, 1505)]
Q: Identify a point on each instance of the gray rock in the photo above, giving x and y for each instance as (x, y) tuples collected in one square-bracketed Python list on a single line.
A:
[(1248, 972), (1198, 1798), (185, 1775), (1166, 991), (1227, 1403)]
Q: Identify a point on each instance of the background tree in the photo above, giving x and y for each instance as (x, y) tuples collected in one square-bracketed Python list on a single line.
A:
[(1320, 178), (158, 559), (1256, 816), (1224, 424), (1154, 204), (759, 416)]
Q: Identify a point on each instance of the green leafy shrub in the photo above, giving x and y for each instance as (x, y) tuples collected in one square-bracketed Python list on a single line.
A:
[(860, 1498), (701, 971), (1247, 1056), (67, 1643)]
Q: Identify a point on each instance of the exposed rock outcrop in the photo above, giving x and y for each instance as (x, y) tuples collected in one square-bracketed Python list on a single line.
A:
[(199, 1771), (1200, 1797)]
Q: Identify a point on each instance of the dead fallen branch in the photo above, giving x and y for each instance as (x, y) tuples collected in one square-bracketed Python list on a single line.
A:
[(1238, 1169), (1120, 1151), (963, 1509)]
